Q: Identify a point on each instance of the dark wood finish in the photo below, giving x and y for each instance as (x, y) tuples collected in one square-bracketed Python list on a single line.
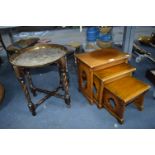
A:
[(23, 75)]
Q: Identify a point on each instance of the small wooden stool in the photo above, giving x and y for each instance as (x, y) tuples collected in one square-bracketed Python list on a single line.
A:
[(119, 93), (105, 76)]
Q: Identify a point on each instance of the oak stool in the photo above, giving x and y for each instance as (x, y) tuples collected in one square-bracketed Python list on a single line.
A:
[(105, 76), (118, 94)]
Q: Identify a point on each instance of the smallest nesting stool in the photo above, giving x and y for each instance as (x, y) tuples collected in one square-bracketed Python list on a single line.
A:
[(118, 94)]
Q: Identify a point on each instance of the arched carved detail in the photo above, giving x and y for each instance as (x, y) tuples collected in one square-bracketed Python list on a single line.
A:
[(114, 106)]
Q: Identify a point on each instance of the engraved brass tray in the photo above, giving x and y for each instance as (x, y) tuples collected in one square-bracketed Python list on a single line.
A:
[(38, 55)]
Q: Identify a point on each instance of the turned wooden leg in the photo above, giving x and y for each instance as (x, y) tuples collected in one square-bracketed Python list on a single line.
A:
[(138, 102), (60, 82), (21, 78), (63, 76), (30, 82)]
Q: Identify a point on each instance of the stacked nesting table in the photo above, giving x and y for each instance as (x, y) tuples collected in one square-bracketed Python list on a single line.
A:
[(105, 79)]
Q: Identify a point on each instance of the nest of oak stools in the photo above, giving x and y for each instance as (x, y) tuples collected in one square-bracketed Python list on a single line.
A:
[(99, 71), (90, 62)]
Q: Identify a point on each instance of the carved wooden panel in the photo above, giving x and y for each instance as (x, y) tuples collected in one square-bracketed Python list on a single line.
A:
[(85, 80), (98, 87), (114, 105)]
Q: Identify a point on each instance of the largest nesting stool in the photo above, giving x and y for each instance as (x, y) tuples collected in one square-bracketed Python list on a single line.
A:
[(39, 56), (88, 63)]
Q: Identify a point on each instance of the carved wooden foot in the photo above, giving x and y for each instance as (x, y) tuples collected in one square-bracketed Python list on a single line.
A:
[(120, 121), (32, 109), (100, 106)]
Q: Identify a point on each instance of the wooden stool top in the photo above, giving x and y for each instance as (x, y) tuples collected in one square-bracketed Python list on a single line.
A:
[(38, 55), (1, 92), (101, 57), (127, 88), (114, 71)]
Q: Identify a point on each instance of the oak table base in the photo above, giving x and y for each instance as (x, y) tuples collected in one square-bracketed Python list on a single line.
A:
[(24, 77)]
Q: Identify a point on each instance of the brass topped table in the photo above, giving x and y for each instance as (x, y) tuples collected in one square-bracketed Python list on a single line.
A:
[(37, 56)]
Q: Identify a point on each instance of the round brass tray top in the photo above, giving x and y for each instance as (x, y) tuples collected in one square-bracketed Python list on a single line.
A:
[(38, 55)]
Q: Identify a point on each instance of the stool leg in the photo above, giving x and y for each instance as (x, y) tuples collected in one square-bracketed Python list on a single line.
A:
[(21, 78), (62, 65), (120, 113), (139, 102), (31, 85)]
